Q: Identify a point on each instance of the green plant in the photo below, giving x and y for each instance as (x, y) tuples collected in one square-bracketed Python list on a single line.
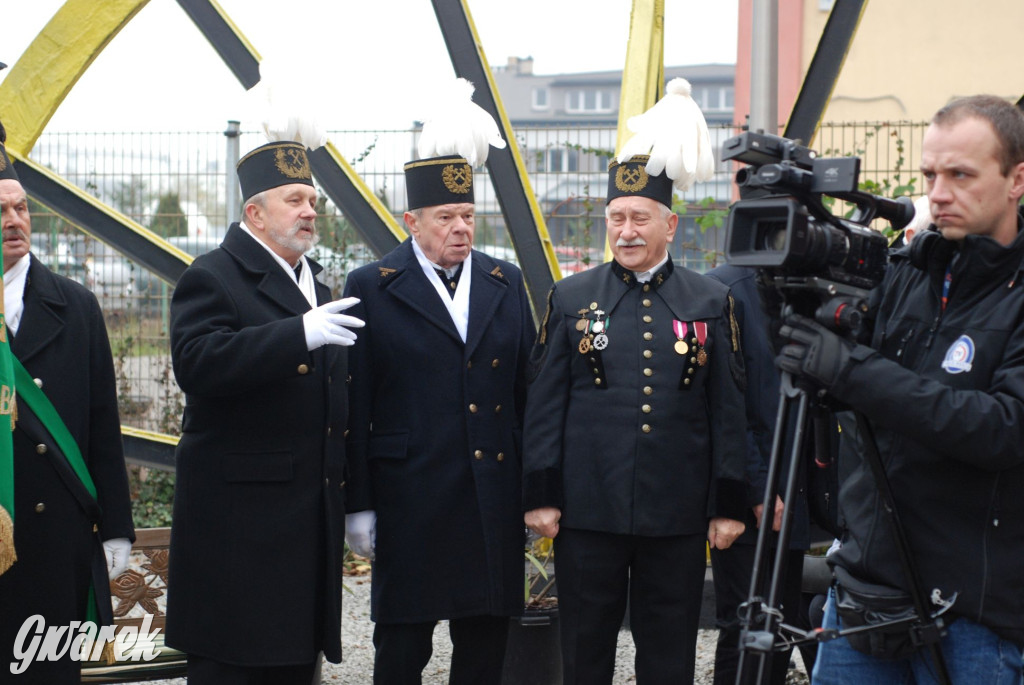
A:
[(539, 580)]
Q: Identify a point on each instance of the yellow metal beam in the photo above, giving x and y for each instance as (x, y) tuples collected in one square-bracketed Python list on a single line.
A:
[(53, 63), (643, 77)]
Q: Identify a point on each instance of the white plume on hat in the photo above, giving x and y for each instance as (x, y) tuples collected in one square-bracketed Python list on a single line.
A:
[(675, 135), (278, 96), (459, 126)]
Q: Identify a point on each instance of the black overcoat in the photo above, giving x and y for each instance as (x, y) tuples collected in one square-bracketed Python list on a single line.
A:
[(637, 439), (62, 342), (258, 530), (435, 438)]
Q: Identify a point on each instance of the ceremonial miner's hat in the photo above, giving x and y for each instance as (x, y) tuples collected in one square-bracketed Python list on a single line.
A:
[(283, 160), (6, 168), (272, 165), (670, 148), (453, 141), (631, 178)]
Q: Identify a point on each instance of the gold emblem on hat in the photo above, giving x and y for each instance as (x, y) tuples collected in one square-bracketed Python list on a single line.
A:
[(292, 163), (457, 179), (631, 179)]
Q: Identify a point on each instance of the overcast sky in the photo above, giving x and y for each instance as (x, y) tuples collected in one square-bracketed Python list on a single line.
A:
[(370, 63)]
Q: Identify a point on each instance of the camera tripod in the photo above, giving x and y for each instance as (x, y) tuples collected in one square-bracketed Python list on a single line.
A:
[(763, 631)]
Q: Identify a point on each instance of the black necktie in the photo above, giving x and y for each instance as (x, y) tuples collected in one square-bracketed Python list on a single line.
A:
[(298, 270), (452, 282)]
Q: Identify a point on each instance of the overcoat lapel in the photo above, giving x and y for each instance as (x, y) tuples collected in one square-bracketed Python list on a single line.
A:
[(677, 292), (409, 284), (274, 283), (489, 285), (42, 320)]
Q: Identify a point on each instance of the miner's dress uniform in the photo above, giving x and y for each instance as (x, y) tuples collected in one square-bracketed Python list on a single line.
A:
[(435, 435), (639, 442)]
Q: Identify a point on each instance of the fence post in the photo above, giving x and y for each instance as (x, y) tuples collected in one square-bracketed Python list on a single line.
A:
[(231, 199)]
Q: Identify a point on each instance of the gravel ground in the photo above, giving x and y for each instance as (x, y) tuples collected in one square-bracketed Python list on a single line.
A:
[(357, 667)]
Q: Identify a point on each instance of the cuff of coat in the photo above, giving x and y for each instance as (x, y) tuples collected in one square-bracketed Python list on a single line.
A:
[(730, 498), (542, 489)]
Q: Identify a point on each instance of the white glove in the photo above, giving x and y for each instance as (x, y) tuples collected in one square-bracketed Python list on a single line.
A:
[(117, 551), (361, 532), (325, 326)]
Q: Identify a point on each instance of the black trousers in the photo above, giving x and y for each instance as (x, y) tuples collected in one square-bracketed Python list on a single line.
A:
[(203, 671), (478, 650), (732, 569), (664, 579)]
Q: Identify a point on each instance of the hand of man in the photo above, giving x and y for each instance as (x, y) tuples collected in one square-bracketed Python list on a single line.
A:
[(543, 521), (117, 550), (812, 351), (722, 532), (361, 532), (326, 326), (776, 520)]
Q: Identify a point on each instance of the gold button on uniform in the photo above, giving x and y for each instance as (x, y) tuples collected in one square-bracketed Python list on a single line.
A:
[(38, 382), (469, 364), (494, 363), (472, 408), (686, 381), (648, 354), (647, 318), (646, 302), (328, 431), (648, 390), (648, 372), (501, 456), (40, 508), (648, 336), (597, 381), (478, 454), (646, 409), (497, 410), (303, 369), (647, 287), (645, 428), (690, 370), (40, 448)]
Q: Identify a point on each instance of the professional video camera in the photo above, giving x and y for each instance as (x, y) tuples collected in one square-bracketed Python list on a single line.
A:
[(790, 232)]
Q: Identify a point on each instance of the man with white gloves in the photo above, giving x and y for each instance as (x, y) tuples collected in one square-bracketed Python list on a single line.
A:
[(260, 350), (72, 511), (437, 398)]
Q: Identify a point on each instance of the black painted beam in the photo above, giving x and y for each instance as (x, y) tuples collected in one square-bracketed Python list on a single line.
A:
[(378, 231), (517, 204), (100, 221), (153, 450), (824, 69)]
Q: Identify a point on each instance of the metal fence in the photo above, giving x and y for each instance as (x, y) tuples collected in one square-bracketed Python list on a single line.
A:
[(176, 185)]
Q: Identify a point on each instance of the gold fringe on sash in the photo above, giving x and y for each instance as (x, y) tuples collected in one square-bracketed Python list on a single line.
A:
[(7, 554)]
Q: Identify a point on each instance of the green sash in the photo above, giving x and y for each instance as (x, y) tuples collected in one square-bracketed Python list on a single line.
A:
[(41, 406)]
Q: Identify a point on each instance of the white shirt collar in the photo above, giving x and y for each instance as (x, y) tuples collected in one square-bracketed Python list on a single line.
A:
[(645, 276)]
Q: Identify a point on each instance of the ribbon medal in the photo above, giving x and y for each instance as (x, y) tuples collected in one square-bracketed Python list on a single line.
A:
[(700, 329), (680, 328)]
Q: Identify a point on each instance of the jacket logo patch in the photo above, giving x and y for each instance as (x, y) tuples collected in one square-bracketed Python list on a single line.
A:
[(959, 356)]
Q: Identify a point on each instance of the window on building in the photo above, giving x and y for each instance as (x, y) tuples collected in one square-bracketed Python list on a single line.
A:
[(591, 101), (561, 160), (540, 98)]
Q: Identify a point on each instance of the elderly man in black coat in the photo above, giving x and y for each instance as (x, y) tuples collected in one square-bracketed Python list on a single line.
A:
[(67, 539), (258, 532), (437, 399), (634, 440)]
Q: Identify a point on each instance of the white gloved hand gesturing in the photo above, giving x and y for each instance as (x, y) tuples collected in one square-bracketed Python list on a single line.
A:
[(361, 532), (325, 325), (117, 550)]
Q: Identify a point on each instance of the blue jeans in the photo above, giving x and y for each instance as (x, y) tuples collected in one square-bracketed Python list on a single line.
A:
[(973, 654)]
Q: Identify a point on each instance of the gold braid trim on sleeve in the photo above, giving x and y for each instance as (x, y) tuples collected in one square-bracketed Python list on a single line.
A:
[(542, 334), (734, 325)]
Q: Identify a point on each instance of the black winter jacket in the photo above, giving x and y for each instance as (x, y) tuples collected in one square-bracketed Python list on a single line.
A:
[(944, 392)]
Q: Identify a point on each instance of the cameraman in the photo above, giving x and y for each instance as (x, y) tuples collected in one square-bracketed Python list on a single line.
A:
[(942, 386)]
